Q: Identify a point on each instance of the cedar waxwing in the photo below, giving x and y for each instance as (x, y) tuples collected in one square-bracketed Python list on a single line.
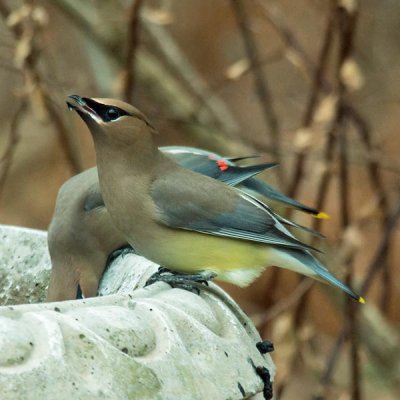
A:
[(81, 235), (182, 220), (199, 161)]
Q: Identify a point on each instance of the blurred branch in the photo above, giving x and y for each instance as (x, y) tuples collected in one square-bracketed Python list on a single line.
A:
[(316, 87), (185, 97), (261, 319), (382, 250), (373, 165), (176, 61), (294, 50), (27, 21), (7, 158), (344, 21), (320, 85), (242, 67), (128, 72), (372, 270), (260, 82), (347, 19), (378, 187)]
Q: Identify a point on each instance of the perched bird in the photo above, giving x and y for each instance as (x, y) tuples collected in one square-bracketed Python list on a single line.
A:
[(199, 160), (182, 220), (81, 235)]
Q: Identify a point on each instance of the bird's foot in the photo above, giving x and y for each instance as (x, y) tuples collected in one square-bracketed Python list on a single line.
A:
[(265, 346), (182, 281), (265, 376), (122, 251)]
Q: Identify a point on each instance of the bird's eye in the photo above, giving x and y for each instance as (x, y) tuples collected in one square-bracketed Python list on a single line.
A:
[(112, 114)]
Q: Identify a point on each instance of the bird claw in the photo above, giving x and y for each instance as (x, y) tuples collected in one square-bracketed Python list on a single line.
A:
[(265, 376), (265, 347), (182, 281), (122, 251)]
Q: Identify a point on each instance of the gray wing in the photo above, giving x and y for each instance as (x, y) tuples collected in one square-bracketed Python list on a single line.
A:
[(215, 209), (214, 165), (196, 160)]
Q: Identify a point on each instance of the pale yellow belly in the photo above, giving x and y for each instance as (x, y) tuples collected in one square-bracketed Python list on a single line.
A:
[(233, 260)]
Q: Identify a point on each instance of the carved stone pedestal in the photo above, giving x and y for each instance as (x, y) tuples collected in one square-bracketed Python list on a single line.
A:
[(131, 342)]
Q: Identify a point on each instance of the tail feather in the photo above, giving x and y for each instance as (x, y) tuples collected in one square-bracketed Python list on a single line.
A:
[(306, 264)]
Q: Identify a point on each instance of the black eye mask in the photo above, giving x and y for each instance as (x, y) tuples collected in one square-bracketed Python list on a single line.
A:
[(106, 113)]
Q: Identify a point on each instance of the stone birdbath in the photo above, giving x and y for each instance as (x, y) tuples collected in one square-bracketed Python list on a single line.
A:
[(130, 342)]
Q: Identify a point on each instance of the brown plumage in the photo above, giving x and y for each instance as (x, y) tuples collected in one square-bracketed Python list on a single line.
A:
[(81, 236)]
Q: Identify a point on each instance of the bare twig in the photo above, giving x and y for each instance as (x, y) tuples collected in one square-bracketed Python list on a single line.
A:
[(170, 60), (7, 157), (269, 58), (373, 166), (35, 86), (260, 82), (298, 170), (176, 62), (382, 250), (347, 22), (372, 270), (275, 17), (132, 40), (286, 303), (378, 186)]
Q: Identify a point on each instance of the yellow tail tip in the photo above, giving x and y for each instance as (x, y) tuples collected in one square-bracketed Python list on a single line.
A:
[(361, 300), (322, 215)]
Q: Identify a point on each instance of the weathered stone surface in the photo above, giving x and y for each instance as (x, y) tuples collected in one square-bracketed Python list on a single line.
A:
[(130, 343), (24, 265)]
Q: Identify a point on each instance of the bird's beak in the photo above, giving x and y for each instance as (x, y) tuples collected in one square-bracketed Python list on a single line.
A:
[(80, 105)]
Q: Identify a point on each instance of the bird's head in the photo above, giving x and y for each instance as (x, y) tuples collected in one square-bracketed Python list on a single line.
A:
[(111, 118)]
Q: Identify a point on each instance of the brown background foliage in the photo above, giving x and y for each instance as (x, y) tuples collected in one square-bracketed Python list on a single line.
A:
[(239, 77)]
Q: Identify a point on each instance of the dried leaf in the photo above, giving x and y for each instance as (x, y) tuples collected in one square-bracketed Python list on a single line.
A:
[(352, 240), (369, 209), (284, 338), (19, 15), (23, 49), (159, 16), (294, 58), (349, 5), (326, 110), (40, 16), (303, 139), (237, 69), (353, 237), (351, 75), (38, 103)]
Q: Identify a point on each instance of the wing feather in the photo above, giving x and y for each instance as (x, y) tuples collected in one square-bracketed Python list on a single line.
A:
[(207, 206)]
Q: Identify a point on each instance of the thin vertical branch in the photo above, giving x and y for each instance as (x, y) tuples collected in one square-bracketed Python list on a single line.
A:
[(260, 81), (322, 192), (373, 166), (316, 87), (378, 187), (350, 304), (132, 43), (372, 269), (8, 156), (382, 250), (347, 23), (275, 17), (36, 87)]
